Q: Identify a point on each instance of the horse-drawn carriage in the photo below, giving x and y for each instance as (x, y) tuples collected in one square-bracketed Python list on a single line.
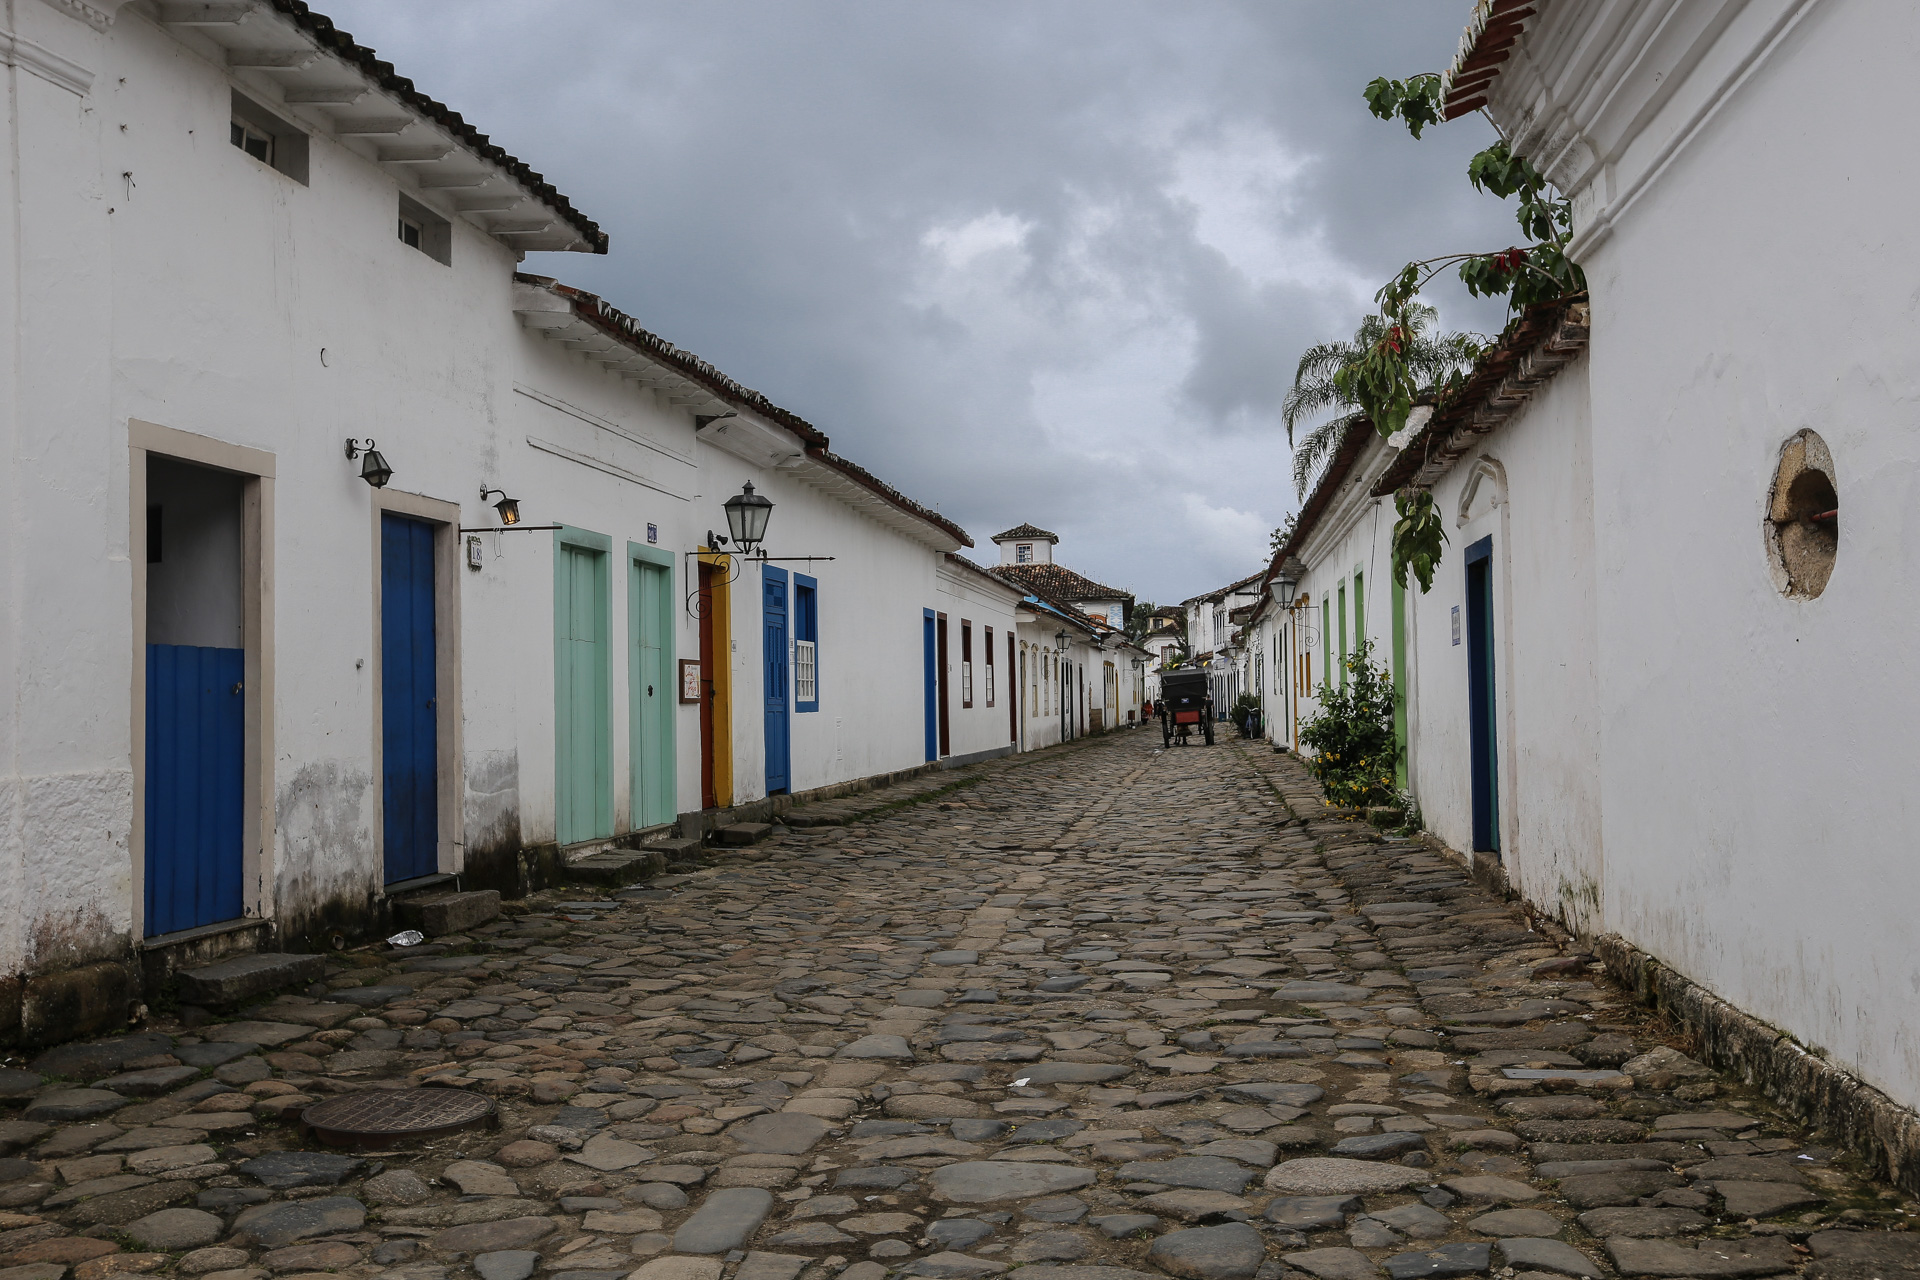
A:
[(1186, 703)]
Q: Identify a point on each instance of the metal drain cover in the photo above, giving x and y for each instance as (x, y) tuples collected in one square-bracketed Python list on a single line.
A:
[(378, 1118)]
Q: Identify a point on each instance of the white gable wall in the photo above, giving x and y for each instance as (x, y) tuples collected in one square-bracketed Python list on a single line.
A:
[(1757, 753), (1528, 487)]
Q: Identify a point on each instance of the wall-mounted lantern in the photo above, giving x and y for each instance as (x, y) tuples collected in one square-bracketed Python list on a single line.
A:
[(747, 514), (373, 467), (1060, 639), (509, 508)]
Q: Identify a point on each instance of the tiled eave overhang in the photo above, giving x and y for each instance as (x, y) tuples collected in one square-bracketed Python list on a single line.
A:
[(297, 63), (1535, 347), (1495, 28), (728, 416)]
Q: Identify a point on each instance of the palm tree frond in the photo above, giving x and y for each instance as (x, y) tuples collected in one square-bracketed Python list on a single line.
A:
[(1318, 445)]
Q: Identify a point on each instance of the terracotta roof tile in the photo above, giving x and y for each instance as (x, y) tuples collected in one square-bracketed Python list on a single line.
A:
[(1025, 531), (342, 45), (1062, 583)]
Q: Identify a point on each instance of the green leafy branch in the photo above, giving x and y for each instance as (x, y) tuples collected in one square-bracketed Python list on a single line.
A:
[(1382, 381), (1417, 537)]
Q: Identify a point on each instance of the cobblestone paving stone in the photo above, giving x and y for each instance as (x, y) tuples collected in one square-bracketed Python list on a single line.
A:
[(1112, 1012)]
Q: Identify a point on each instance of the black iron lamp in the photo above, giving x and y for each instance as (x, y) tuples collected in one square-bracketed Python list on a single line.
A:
[(1287, 584), (509, 508), (747, 514), (373, 466), (1060, 639)]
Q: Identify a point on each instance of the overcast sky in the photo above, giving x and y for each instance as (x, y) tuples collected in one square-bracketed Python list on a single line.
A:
[(1028, 260)]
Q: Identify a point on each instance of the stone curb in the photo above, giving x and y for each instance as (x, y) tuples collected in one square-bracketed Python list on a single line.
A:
[(1880, 1130), (1860, 1117)]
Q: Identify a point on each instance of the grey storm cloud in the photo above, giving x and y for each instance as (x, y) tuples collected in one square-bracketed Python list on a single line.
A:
[(1048, 262)]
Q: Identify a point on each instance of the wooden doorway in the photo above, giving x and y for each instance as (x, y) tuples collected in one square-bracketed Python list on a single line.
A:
[(716, 648), (946, 745)]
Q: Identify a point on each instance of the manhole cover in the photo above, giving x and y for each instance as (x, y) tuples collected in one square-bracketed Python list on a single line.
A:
[(379, 1118)]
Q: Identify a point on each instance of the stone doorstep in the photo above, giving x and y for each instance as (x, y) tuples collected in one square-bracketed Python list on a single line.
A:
[(239, 978), (436, 914), (743, 833), (618, 867), (801, 820)]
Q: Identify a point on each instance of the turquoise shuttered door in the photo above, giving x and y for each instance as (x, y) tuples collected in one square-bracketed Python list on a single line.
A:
[(583, 755)]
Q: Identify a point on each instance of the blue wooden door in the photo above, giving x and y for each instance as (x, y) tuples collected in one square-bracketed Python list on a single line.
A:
[(196, 737), (1481, 722), (773, 599), (409, 686), (932, 695)]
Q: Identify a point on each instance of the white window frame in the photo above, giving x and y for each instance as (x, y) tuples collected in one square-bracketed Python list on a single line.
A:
[(1023, 553), (805, 671), (251, 133)]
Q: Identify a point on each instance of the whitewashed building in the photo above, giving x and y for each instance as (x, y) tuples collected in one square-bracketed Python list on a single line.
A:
[(1026, 558), (1624, 692), (343, 560)]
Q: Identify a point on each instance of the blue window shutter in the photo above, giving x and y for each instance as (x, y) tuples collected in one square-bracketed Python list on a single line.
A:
[(806, 630)]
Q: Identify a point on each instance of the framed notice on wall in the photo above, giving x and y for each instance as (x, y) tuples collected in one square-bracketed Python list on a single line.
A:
[(689, 680)]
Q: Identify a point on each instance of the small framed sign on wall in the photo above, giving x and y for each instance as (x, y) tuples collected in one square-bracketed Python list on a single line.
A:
[(689, 680)]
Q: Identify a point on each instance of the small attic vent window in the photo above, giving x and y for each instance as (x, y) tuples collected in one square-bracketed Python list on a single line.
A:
[(423, 229), (253, 142), (269, 139), (1023, 553), (1803, 517)]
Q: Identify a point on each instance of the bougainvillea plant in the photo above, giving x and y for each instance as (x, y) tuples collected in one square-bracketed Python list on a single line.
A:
[(1381, 381)]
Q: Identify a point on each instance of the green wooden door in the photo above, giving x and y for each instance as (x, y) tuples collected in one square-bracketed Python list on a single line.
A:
[(651, 685), (583, 750)]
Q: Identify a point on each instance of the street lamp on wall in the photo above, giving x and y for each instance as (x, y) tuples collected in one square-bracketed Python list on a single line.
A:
[(373, 466), (509, 508), (747, 514), (1060, 639)]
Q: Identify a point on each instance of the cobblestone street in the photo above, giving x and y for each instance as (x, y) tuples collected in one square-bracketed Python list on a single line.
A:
[(1101, 1011)]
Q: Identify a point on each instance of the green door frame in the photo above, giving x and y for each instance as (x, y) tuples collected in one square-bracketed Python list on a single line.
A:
[(1342, 622), (652, 686), (1326, 642), (1359, 609), (583, 787), (1399, 595)]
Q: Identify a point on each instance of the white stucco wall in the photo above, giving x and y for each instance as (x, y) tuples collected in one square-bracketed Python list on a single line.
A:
[(966, 597), (211, 295), (1528, 487), (1757, 749), (1040, 724), (1352, 534)]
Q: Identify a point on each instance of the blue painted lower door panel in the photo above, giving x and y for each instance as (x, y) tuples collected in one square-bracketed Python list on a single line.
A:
[(773, 593), (196, 738), (409, 683)]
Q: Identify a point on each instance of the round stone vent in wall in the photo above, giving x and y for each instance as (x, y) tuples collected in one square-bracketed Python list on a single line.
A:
[(1803, 517)]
